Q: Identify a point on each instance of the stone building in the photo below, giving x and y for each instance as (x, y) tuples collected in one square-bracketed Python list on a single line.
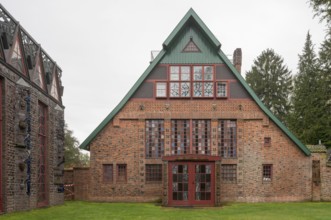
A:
[(32, 121), (192, 132)]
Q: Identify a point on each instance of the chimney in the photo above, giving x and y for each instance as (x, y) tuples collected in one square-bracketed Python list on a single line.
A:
[(237, 58)]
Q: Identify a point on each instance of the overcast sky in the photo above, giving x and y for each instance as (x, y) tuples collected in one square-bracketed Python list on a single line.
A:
[(103, 46)]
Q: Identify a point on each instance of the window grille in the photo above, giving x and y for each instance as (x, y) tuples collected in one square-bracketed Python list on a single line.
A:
[(227, 138), (153, 173), (154, 138)]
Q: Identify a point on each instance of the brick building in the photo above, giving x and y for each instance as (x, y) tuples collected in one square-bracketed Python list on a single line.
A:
[(192, 132), (32, 121)]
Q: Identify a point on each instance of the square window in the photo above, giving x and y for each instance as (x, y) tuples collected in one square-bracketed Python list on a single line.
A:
[(121, 173), (107, 173), (267, 173), (153, 173), (229, 173)]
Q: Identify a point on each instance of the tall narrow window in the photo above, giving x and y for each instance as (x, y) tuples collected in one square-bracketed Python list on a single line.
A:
[(154, 138), (180, 81), (201, 136), (107, 173), (153, 173), (121, 173), (221, 89), (161, 89), (227, 138), (180, 137), (41, 159), (267, 173)]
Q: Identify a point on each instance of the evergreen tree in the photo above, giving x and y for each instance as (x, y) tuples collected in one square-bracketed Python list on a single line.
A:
[(73, 156), (272, 82), (304, 120), (322, 8), (325, 89)]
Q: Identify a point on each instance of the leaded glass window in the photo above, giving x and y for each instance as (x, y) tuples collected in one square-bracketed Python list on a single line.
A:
[(121, 173), (180, 85), (180, 137), (221, 89), (153, 173), (203, 77), (154, 138), (201, 136), (227, 138), (229, 173), (107, 173)]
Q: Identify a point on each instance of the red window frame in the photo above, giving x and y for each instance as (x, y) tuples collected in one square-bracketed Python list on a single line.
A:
[(226, 89), (227, 138), (166, 89), (229, 173), (190, 136), (203, 81), (153, 173), (42, 186), (154, 138), (180, 81), (108, 173), (121, 173), (267, 172)]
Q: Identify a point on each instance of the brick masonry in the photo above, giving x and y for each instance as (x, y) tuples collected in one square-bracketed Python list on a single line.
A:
[(122, 141), (14, 150)]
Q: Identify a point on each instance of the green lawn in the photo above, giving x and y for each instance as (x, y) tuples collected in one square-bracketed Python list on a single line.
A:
[(100, 211)]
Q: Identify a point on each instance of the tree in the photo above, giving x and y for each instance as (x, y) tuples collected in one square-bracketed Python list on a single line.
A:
[(322, 8), (305, 119), (272, 82), (73, 156)]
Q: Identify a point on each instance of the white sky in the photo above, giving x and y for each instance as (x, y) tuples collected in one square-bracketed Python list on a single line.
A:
[(103, 46)]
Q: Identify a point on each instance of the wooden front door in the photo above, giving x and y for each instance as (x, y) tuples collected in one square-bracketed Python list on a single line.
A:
[(191, 183)]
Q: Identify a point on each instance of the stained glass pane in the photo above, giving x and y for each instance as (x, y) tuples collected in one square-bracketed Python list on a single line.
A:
[(227, 138), (208, 89), (174, 73), (185, 73), (208, 70), (197, 73), (185, 89), (174, 89), (197, 89)]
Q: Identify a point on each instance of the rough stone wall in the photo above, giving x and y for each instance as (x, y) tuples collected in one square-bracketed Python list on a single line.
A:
[(321, 190), (15, 152), (122, 141)]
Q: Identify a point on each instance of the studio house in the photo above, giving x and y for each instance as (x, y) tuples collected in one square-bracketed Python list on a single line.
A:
[(191, 132)]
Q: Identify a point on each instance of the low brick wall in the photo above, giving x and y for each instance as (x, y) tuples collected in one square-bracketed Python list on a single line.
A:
[(78, 177)]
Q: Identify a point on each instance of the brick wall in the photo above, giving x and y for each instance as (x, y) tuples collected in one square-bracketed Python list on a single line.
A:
[(14, 153), (122, 141)]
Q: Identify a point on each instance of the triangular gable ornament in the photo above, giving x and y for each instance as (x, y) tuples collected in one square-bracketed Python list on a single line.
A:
[(16, 58), (191, 47)]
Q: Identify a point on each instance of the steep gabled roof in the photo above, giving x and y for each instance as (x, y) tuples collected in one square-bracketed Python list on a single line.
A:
[(192, 16)]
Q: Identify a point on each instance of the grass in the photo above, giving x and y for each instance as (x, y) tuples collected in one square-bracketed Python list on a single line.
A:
[(89, 211)]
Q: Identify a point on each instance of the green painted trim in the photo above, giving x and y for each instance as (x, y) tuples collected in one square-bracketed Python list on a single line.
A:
[(180, 25), (191, 13), (85, 144), (302, 147)]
